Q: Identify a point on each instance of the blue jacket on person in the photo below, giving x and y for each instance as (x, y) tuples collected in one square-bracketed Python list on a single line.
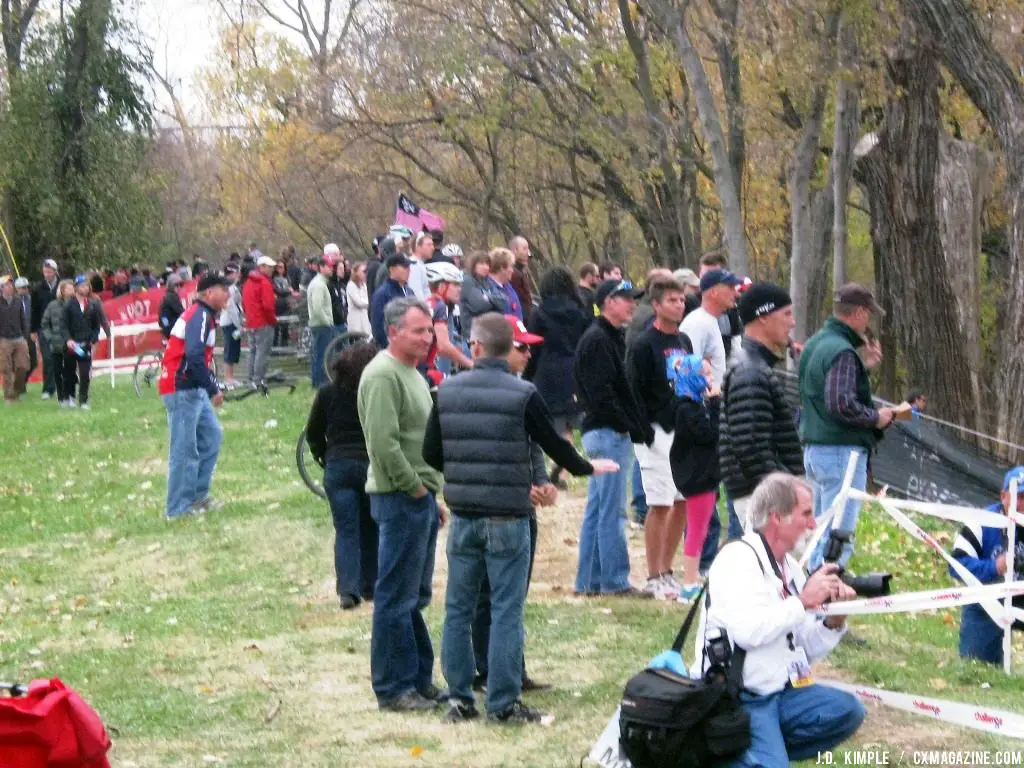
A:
[(389, 289), (976, 548)]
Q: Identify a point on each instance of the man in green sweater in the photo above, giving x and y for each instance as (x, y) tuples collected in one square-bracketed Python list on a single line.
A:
[(394, 406), (838, 418), (321, 317)]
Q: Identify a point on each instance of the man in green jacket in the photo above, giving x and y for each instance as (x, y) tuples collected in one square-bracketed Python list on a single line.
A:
[(321, 317), (838, 418), (394, 406)]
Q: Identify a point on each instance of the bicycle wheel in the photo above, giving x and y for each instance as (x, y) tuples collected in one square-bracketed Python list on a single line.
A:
[(147, 370), (312, 473), (338, 344)]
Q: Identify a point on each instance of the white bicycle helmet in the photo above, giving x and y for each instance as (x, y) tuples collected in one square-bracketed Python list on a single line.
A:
[(443, 272), (451, 251)]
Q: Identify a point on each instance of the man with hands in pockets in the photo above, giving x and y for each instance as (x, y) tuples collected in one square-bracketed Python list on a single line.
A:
[(759, 595)]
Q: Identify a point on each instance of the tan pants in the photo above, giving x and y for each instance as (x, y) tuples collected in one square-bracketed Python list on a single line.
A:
[(13, 366)]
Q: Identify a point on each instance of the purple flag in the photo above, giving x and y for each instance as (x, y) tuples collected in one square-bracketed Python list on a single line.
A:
[(410, 215)]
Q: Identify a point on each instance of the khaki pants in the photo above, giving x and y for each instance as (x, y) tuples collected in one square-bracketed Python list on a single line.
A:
[(13, 366)]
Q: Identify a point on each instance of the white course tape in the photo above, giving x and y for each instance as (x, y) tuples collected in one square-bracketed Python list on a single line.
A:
[(975, 716), (948, 597), (964, 515), (995, 611), (838, 503)]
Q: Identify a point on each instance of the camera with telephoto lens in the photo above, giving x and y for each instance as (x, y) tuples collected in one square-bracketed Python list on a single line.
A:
[(869, 585)]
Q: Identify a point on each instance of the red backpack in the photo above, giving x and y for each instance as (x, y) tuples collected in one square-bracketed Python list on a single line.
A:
[(51, 726)]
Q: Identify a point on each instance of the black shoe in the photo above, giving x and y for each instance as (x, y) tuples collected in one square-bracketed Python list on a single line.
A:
[(517, 714), (480, 683), (460, 712), (348, 602), (529, 684), (407, 702), (633, 592), (431, 693)]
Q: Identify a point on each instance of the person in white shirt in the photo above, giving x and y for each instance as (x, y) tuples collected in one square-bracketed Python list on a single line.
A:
[(701, 326), (759, 595), (421, 254)]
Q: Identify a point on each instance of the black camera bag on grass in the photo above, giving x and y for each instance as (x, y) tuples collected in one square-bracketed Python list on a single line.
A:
[(668, 721)]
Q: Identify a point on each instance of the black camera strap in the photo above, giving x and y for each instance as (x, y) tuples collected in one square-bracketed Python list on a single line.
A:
[(778, 572)]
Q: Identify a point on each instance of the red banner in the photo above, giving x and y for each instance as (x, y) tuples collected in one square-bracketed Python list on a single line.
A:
[(142, 308)]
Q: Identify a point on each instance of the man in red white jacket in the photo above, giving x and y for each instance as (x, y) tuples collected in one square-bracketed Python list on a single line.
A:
[(260, 318), (190, 392)]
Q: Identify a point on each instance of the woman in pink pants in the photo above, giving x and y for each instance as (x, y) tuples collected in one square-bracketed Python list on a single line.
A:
[(694, 457)]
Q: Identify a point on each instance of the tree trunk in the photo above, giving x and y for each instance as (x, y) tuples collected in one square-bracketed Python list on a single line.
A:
[(674, 22), (901, 174), (847, 122), (801, 171), (963, 184), (996, 91)]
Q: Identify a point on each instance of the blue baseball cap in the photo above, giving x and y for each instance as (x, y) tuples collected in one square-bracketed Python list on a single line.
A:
[(1017, 473), (80, 279), (718, 277)]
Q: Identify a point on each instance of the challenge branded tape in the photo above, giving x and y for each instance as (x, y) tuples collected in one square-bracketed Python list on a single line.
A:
[(964, 515), (995, 611), (975, 716), (921, 601)]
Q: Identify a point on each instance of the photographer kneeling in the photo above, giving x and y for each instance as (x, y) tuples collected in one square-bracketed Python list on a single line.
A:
[(759, 596)]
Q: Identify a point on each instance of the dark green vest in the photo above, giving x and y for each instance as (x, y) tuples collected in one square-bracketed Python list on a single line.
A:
[(817, 425)]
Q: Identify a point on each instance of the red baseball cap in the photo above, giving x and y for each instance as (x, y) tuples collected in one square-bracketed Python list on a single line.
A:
[(519, 333)]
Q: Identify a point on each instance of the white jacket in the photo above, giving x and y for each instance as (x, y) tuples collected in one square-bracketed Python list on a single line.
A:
[(358, 308), (749, 605), (418, 279)]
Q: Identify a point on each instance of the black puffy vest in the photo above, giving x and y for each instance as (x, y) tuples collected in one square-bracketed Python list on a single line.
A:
[(487, 468)]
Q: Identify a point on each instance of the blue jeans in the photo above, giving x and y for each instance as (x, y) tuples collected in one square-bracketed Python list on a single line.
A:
[(498, 548), (604, 556), (639, 497), (355, 533), (797, 723), (980, 637), (195, 441), (711, 541), (322, 336), (826, 468), (401, 656)]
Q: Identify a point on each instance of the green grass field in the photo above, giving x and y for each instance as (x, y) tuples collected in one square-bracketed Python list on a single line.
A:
[(219, 640)]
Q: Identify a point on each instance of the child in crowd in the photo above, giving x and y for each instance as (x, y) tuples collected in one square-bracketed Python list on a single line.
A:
[(694, 457)]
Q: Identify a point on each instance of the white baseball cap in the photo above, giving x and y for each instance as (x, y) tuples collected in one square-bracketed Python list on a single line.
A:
[(332, 249), (265, 261)]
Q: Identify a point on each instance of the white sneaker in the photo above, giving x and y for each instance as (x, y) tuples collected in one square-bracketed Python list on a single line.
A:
[(46, 395), (72, 404), (658, 589), (84, 406), (652, 587), (670, 582)]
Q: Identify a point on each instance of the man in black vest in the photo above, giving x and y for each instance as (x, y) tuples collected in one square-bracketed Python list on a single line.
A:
[(42, 295), (479, 435)]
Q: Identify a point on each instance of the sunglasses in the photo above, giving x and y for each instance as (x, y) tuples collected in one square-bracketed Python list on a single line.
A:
[(519, 346)]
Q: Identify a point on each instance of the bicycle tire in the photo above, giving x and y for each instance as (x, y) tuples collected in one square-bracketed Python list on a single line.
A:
[(145, 374), (337, 345), (313, 478)]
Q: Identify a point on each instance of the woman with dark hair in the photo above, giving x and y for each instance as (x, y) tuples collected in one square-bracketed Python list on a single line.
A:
[(480, 294), (561, 320), (336, 285), (335, 438)]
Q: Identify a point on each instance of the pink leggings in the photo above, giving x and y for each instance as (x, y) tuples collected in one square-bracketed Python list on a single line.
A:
[(699, 509)]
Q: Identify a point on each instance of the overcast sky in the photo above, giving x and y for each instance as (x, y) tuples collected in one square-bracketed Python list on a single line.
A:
[(183, 33)]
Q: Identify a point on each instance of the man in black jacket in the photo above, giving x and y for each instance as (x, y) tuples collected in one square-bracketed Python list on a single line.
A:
[(13, 344), (612, 422), (171, 307), (42, 295), (757, 431), (479, 435), (84, 316)]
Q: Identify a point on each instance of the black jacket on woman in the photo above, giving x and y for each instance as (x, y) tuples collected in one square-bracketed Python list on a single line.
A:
[(759, 433), (561, 320), (694, 454), (84, 326), (333, 430)]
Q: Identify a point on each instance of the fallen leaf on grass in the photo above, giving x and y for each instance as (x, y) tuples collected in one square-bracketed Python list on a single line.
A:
[(416, 751), (274, 712), (153, 547), (938, 684), (253, 647), (547, 721), (569, 541)]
